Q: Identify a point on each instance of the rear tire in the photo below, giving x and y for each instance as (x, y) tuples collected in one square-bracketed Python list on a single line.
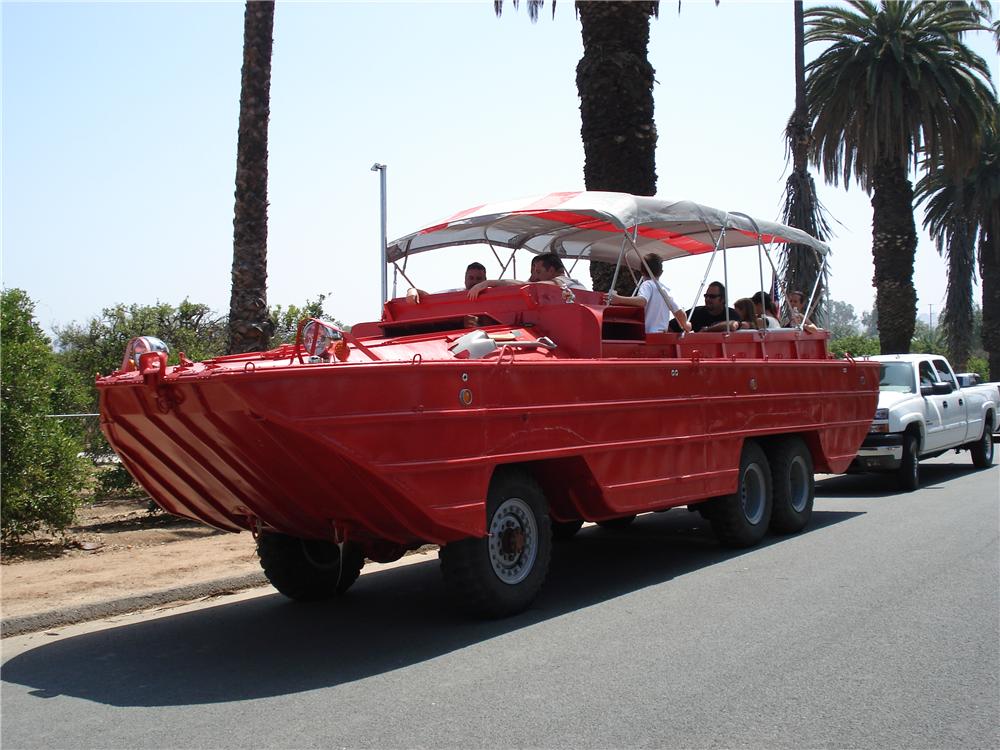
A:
[(908, 473), (793, 485), (500, 574), (309, 569), (741, 519), (982, 449)]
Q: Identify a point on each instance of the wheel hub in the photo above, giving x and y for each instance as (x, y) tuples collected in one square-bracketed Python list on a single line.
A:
[(513, 541)]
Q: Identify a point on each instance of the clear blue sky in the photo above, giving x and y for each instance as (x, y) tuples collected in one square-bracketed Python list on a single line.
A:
[(119, 141)]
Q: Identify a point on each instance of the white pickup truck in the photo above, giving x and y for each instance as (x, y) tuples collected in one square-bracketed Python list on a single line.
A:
[(923, 411)]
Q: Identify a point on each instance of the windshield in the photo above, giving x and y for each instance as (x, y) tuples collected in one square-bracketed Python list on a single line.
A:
[(896, 377)]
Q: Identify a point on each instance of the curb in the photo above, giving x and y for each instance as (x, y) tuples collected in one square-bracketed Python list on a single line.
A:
[(98, 610)]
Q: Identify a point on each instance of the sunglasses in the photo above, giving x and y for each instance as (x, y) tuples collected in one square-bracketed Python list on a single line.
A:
[(713, 296)]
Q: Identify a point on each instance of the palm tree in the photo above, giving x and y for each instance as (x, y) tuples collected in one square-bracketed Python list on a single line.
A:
[(957, 213), (802, 209), (249, 326), (895, 81), (615, 83), (955, 237)]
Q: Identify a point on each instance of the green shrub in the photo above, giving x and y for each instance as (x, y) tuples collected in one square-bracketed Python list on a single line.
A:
[(42, 473), (856, 346)]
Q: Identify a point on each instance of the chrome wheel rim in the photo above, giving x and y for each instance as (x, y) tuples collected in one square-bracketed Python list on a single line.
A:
[(798, 484), (513, 541), (988, 445), (752, 494)]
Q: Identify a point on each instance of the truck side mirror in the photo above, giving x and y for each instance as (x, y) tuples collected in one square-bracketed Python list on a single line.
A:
[(937, 389)]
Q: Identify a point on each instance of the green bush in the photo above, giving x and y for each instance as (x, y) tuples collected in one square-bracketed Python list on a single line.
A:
[(42, 473), (856, 346)]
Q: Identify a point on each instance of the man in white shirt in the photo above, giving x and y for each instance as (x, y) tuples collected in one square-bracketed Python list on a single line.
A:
[(654, 298)]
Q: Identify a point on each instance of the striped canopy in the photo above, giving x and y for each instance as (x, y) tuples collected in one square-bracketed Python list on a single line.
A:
[(590, 225)]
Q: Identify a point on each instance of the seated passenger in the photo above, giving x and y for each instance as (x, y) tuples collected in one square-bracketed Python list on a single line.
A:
[(654, 298), (796, 312), (547, 268), (474, 273), (748, 316), (713, 315), (765, 309)]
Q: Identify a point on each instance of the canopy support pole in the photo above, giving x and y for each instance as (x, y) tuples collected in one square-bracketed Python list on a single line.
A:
[(621, 255)]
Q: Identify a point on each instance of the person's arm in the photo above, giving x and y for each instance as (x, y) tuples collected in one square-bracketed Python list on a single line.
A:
[(722, 325), (413, 295), (478, 288), (682, 320), (617, 299)]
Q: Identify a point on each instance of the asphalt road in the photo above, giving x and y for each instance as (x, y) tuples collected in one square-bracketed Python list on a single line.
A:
[(877, 628)]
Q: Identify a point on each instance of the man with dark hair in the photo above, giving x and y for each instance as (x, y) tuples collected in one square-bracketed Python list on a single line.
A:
[(546, 268), (654, 298), (474, 273), (714, 315)]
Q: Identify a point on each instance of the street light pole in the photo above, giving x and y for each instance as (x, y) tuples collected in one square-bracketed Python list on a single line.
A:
[(381, 169)]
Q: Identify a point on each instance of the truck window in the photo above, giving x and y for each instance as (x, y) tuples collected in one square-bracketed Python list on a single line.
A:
[(927, 374), (895, 376), (944, 373)]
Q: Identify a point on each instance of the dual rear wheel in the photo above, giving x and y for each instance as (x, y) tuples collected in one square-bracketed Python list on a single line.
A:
[(775, 490)]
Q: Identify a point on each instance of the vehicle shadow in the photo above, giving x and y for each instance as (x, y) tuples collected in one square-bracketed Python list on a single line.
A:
[(391, 619), (933, 474)]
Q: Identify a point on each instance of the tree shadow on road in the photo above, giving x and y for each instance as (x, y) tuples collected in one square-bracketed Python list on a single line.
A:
[(391, 619)]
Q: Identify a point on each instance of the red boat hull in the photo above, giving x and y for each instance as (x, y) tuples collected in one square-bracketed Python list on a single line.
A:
[(403, 451)]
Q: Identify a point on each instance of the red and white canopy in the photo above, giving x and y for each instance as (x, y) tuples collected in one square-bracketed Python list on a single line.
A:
[(590, 225)]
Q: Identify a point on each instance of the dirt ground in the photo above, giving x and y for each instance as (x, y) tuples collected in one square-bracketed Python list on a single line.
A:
[(117, 548)]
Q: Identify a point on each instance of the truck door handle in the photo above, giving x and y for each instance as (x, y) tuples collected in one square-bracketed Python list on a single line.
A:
[(945, 404)]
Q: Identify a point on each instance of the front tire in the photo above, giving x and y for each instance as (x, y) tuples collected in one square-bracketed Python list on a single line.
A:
[(793, 485), (982, 449), (741, 519), (309, 569), (500, 574), (908, 473)]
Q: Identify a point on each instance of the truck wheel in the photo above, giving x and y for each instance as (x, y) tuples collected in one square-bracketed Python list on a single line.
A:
[(982, 449), (563, 530), (617, 523), (908, 474), (308, 569), (500, 574), (793, 485), (741, 519)]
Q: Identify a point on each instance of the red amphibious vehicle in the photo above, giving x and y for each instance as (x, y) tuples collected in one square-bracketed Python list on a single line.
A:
[(488, 426)]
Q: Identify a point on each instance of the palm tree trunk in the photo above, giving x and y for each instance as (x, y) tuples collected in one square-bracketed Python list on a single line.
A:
[(894, 246), (249, 327), (615, 83), (802, 209), (957, 317), (989, 267)]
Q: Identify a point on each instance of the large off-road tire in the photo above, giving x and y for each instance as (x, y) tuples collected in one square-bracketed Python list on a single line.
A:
[(908, 473), (563, 530), (308, 569), (793, 486), (741, 519), (501, 573), (982, 449), (617, 523)]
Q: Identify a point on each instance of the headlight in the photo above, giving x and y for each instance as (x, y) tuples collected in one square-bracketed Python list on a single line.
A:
[(321, 341), (139, 346), (881, 421)]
